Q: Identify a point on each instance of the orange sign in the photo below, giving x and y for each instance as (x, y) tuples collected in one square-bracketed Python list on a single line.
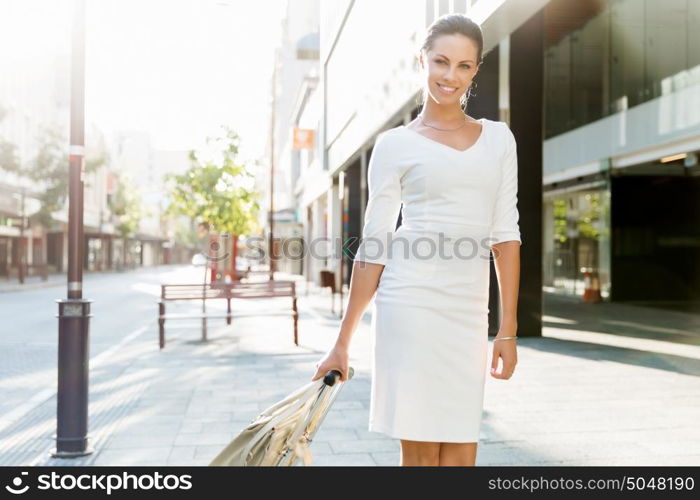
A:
[(303, 138)]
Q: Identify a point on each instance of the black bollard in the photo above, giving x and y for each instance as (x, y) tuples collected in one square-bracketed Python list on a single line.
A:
[(73, 377)]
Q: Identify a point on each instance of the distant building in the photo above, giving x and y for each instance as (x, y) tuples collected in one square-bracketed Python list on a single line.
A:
[(34, 96), (297, 61)]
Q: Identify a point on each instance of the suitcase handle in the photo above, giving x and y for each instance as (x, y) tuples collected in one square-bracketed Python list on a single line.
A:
[(334, 375)]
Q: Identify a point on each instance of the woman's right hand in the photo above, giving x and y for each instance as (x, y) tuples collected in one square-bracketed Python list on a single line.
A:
[(335, 359)]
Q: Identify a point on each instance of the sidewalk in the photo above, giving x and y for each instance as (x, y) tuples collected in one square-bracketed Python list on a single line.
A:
[(32, 283), (182, 405), (60, 279), (606, 385)]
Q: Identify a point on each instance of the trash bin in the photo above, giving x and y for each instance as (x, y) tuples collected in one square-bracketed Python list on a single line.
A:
[(591, 285), (327, 279)]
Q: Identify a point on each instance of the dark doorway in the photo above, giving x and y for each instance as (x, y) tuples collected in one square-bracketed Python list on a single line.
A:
[(656, 238)]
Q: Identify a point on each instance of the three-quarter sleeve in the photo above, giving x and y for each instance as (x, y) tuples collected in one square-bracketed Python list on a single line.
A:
[(383, 204), (505, 215)]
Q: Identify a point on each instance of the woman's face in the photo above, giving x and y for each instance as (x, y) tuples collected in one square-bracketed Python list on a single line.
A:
[(449, 67)]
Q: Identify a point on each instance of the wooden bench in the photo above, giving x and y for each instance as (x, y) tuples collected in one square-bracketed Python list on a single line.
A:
[(228, 292), (241, 274), (171, 293), (263, 289)]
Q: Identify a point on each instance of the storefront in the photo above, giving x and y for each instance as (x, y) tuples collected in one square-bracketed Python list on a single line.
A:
[(576, 229)]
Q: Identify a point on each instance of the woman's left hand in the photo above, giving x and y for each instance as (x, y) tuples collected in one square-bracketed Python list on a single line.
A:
[(507, 351)]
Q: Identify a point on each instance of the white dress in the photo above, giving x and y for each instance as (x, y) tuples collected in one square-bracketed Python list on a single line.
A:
[(430, 314)]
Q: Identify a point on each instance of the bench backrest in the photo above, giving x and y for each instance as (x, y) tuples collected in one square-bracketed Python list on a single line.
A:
[(277, 288), (190, 292), (235, 289)]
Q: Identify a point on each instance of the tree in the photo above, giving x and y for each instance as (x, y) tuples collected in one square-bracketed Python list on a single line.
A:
[(8, 156), (8, 150), (216, 191), (127, 206), (49, 170)]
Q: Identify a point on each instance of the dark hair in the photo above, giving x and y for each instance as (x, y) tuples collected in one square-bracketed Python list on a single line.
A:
[(451, 24)]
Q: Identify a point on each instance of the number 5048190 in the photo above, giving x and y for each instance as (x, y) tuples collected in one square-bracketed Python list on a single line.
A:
[(660, 483)]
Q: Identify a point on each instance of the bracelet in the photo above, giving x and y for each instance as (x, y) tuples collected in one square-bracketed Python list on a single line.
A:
[(504, 338)]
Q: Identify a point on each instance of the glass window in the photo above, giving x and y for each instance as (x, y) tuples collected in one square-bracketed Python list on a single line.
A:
[(588, 48), (666, 47), (692, 25), (627, 54), (558, 86), (602, 57), (576, 63), (577, 239)]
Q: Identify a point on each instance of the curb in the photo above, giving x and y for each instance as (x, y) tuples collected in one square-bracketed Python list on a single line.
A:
[(31, 286)]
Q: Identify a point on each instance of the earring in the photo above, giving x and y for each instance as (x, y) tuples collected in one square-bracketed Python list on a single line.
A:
[(465, 98)]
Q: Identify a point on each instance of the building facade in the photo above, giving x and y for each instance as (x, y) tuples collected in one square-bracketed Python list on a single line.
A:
[(602, 97), (370, 82), (296, 107), (621, 141)]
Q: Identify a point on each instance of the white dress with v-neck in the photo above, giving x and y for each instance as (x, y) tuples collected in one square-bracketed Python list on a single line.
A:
[(430, 314)]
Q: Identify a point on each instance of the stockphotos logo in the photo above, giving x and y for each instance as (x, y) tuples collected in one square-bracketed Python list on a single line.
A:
[(17, 488), (103, 482)]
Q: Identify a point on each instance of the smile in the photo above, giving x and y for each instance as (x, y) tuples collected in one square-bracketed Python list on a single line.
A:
[(447, 90)]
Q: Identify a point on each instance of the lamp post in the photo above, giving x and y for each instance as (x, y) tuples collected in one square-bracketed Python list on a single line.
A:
[(74, 311), (271, 244), (22, 247), (201, 259)]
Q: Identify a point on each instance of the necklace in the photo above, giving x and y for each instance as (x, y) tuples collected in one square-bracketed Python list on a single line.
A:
[(443, 129)]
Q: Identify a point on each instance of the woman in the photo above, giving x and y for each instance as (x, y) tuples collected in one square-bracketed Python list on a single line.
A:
[(457, 178)]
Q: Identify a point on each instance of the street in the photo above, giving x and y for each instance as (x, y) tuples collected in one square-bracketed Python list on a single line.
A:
[(124, 305), (606, 384)]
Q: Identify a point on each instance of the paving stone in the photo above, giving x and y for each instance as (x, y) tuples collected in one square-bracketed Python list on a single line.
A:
[(321, 448), (603, 390), (330, 434), (200, 439), (207, 453), (364, 446), (182, 452), (348, 459), (189, 427), (137, 457), (387, 459), (141, 441)]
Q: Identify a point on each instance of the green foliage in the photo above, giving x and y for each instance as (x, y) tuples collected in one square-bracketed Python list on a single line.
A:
[(560, 220), (8, 150), (8, 156), (127, 206), (593, 209), (185, 233), (48, 169), (216, 191), (589, 222)]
